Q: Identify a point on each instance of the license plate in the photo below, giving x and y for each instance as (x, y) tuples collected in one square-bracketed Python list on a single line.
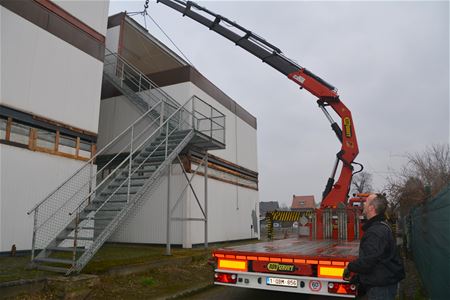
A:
[(282, 281)]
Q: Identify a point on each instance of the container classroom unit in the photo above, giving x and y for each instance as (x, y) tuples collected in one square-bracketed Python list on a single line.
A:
[(233, 204), (51, 72)]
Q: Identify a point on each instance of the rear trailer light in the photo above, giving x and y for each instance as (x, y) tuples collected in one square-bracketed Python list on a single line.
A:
[(330, 272), (225, 277), (231, 264), (341, 288)]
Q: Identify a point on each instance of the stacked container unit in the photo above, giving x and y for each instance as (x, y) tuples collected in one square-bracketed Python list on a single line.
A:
[(233, 204)]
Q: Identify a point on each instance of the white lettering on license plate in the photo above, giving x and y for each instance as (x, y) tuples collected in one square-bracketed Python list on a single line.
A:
[(282, 281)]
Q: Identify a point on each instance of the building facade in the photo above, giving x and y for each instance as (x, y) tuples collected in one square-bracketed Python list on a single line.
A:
[(51, 72), (56, 112)]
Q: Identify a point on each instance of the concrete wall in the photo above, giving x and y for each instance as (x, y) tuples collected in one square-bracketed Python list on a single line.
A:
[(26, 178), (45, 75)]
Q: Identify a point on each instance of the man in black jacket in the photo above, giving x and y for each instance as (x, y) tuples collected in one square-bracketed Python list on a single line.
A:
[(379, 266)]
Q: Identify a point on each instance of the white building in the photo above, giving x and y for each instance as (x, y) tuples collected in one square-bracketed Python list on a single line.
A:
[(56, 113), (51, 72), (233, 204)]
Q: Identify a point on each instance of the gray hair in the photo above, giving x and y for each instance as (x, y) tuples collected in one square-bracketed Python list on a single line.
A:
[(380, 204)]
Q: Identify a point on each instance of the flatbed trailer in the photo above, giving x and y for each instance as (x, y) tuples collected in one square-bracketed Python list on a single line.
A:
[(298, 265)]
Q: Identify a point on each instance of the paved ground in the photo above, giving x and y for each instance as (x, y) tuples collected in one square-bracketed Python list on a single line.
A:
[(230, 293)]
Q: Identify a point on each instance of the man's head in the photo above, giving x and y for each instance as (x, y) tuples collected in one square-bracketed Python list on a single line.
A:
[(375, 204)]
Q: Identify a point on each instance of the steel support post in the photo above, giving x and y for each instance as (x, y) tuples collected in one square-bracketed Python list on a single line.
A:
[(33, 243), (168, 250), (206, 200), (91, 178), (129, 165)]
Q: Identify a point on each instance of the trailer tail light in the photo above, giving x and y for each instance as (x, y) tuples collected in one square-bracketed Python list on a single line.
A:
[(330, 272), (225, 277), (234, 265), (341, 288)]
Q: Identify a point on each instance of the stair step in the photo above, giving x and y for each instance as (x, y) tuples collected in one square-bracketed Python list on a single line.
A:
[(54, 260), (89, 209), (132, 184), (52, 269), (153, 159), (80, 238), (119, 193), (72, 227), (114, 199), (65, 249)]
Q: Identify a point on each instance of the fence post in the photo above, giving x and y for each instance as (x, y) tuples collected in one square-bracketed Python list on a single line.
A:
[(129, 164), (33, 243), (167, 138), (121, 75), (211, 122), (206, 199), (75, 237), (169, 215), (91, 177), (193, 113)]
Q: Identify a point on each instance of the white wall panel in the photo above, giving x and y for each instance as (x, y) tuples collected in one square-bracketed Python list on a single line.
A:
[(147, 223), (246, 146), (54, 80), (116, 114), (93, 13), (183, 91), (112, 39), (26, 178), (230, 212)]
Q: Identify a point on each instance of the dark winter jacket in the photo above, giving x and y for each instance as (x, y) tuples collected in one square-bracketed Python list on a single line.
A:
[(379, 263)]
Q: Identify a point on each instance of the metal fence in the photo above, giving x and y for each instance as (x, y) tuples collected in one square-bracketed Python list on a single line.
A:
[(428, 238)]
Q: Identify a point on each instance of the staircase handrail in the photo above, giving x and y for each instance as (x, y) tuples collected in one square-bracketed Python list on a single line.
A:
[(152, 83), (134, 150)]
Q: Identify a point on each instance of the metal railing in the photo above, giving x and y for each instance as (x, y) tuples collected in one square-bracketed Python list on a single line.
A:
[(128, 152), (135, 82)]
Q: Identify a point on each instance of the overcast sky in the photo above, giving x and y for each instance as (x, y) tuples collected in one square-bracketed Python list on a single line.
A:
[(389, 61)]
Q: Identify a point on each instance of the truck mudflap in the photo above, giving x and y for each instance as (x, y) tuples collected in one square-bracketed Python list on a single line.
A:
[(286, 283)]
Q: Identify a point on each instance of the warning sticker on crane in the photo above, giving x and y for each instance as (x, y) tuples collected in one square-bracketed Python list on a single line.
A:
[(348, 127)]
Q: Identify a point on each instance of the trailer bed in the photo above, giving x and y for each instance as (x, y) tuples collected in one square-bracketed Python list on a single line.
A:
[(297, 248)]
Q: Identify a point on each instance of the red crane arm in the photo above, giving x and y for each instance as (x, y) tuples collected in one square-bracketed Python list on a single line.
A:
[(335, 192)]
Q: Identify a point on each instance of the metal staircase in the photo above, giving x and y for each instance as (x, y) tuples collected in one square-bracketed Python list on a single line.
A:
[(74, 221)]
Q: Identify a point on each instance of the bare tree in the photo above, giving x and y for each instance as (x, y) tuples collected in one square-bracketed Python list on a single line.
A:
[(362, 183), (424, 175)]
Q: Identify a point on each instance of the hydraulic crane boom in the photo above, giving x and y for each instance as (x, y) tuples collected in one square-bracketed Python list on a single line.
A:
[(335, 192)]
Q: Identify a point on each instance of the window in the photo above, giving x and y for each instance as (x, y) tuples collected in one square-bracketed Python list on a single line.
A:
[(67, 145), (24, 130), (3, 123), (85, 149), (45, 139), (20, 133)]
